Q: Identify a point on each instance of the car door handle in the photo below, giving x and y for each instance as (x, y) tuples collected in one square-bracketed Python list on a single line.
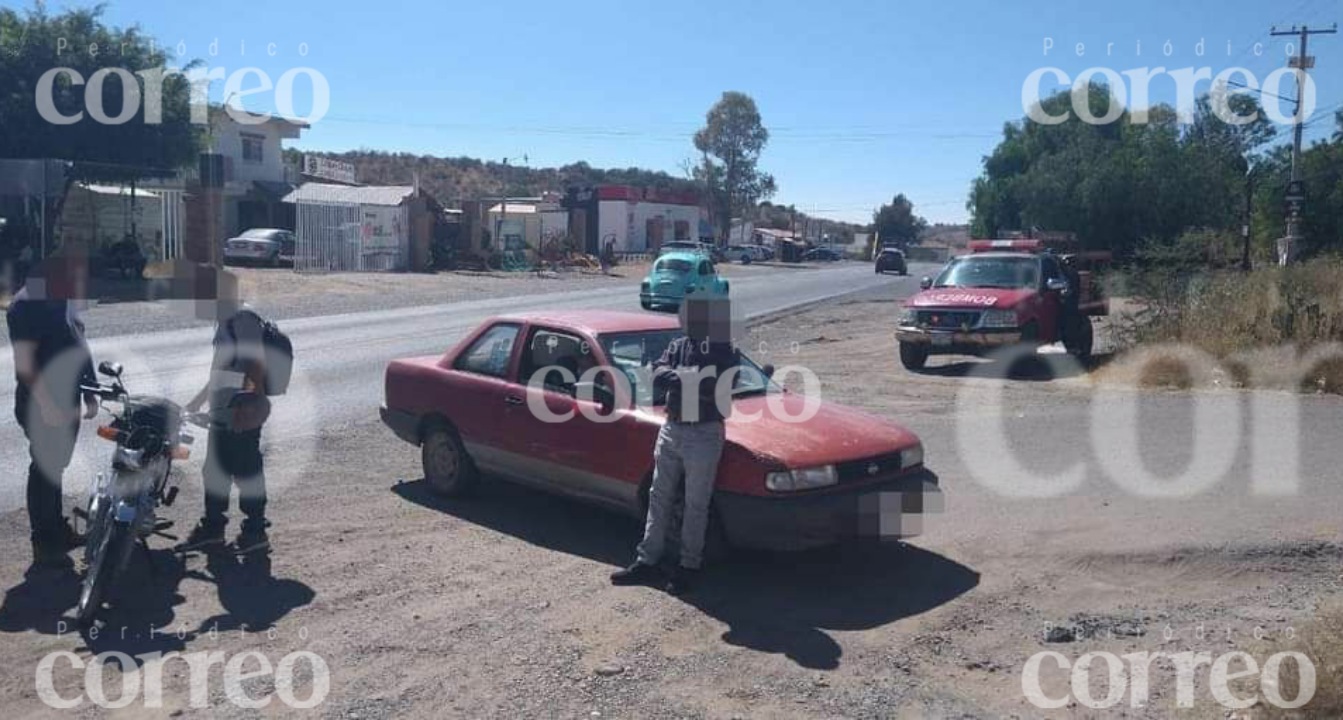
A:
[(513, 400)]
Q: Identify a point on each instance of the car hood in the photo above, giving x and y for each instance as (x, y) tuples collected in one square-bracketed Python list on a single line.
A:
[(834, 434), (977, 298)]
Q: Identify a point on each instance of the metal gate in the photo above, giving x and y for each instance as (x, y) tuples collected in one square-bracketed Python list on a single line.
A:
[(173, 223), (329, 237), (349, 237)]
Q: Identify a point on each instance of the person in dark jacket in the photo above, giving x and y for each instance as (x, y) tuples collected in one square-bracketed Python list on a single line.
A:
[(238, 408), (51, 362), (690, 442)]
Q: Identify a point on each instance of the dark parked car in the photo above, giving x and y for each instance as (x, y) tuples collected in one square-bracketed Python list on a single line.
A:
[(892, 260), (822, 254)]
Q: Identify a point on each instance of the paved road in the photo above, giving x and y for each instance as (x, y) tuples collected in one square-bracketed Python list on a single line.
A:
[(341, 358)]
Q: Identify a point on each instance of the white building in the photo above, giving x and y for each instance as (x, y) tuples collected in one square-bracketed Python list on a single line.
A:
[(633, 219)]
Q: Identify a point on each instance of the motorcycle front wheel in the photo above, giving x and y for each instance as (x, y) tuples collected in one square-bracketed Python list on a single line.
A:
[(107, 556)]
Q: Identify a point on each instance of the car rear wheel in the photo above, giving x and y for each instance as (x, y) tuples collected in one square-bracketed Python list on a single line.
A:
[(913, 355), (447, 468)]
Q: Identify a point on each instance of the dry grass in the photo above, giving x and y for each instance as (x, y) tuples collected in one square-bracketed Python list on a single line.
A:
[(1261, 325)]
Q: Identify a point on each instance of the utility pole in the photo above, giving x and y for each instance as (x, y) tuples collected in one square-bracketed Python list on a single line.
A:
[(1287, 246)]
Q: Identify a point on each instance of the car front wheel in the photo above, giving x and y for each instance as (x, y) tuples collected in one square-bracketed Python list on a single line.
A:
[(447, 467), (913, 355)]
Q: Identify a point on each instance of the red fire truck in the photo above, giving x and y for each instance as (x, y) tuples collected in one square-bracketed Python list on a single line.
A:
[(1005, 292)]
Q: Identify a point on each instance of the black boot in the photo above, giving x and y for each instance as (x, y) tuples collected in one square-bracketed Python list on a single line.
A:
[(252, 537), (638, 573), (682, 581)]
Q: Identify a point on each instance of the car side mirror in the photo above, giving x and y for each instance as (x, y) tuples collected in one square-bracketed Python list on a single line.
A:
[(925, 282), (768, 369), (594, 392), (1058, 285), (110, 369)]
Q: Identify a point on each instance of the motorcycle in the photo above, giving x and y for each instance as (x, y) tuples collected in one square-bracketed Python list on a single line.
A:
[(122, 502)]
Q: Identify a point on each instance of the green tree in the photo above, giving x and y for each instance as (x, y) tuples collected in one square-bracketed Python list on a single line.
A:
[(34, 42), (730, 144), (896, 223), (1123, 184)]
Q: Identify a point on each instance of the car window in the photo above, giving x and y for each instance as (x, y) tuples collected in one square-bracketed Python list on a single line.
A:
[(674, 265), (635, 352), (549, 350), (260, 234), (706, 268), (990, 272), (489, 354)]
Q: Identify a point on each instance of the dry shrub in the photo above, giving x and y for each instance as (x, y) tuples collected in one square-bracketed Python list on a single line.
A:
[(1229, 313), (1166, 372)]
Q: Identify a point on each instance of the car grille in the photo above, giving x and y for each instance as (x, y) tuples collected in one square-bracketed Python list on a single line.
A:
[(947, 319), (866, 469)]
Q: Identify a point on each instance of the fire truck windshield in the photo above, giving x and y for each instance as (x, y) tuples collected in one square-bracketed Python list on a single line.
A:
[(982, 271)]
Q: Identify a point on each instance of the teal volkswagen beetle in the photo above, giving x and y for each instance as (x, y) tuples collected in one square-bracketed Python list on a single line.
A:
[(676, 275)]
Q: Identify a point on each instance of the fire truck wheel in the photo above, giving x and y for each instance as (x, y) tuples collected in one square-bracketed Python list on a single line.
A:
[(913, 355)]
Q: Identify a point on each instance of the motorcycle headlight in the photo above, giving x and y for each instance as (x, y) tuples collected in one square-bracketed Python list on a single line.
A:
[(999, 319), (911, 456), (805, 479)]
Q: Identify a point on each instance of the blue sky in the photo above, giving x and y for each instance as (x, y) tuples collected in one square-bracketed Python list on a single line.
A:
[(864, 99)]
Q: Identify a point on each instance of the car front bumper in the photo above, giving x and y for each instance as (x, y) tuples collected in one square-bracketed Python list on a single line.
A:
[(248, 255), (405, 425), (950, 340), (886, 510)]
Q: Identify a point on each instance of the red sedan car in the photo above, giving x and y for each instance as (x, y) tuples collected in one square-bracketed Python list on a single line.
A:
[(783, 483)]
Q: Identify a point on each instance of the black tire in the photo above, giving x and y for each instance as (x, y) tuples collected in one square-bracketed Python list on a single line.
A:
[(913, 355), (1079, 340), (109, 561), (447, 468)]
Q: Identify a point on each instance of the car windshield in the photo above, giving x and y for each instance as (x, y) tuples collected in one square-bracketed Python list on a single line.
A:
[(990, 272), (673, 265), (260, 234), (635, 352)]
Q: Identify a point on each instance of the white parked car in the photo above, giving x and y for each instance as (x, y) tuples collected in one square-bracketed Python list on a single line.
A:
[(747, 254)]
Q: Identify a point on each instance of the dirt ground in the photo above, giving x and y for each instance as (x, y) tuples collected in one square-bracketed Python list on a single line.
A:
[(499, 606)]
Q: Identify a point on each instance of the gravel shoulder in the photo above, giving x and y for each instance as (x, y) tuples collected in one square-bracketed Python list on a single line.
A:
[(499, 606)]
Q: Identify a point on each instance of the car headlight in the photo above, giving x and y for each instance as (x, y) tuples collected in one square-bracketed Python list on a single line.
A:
[(998, 319), (805, 479), (908, 317), (911, 456)]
